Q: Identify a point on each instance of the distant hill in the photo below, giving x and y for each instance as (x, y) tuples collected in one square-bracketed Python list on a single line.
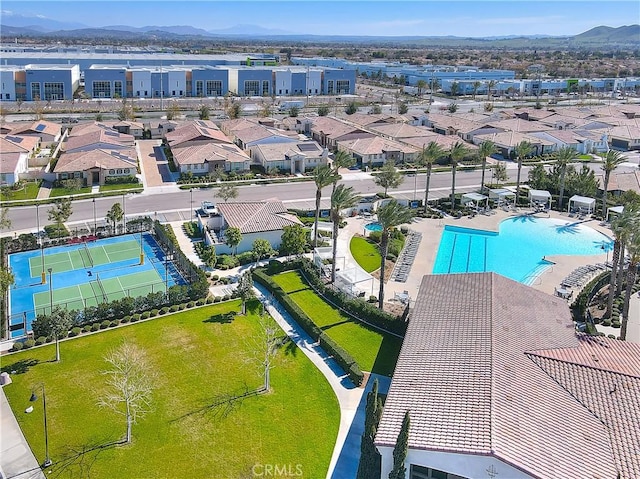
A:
[(624, 35)]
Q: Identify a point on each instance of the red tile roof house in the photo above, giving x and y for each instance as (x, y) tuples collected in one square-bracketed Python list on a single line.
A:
[(255, 219), (95, 166), (499, 384), (47, 131), (15, 152)]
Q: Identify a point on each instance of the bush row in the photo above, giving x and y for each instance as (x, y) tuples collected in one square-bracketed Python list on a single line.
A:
[(581, 303), (344, 359)]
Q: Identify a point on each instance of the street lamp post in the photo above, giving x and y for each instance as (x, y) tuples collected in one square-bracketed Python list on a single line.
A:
[(43, 276), (50, 270), (124, 215), (191, 203), (47, 460), (166, 272), (95, 226), (415, 183)]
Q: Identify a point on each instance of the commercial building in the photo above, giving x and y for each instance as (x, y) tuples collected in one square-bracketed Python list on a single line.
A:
[(39, 82)]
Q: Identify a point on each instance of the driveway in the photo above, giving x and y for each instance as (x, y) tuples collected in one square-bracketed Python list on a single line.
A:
[(150, 162)]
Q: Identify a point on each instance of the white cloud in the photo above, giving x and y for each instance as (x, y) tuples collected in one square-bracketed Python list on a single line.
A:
[(6, 12)]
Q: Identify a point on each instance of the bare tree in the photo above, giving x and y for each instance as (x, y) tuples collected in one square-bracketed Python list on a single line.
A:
[(130, 382), (265, 346)]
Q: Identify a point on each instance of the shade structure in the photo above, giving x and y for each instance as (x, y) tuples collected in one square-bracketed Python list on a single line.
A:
[(583, 204), (474, 198), (501, 195), (617, 210), (540, 197)]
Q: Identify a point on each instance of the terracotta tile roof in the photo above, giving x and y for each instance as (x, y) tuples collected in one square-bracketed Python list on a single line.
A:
[(333, 127), (99, 158), (209, 152), (375, 145), (199, 130), (519, 125), (445, 141), (37, 127), (9, 161), (17, 144), (470, 373), (401, 130), (257, 216), (99, 138), (84, 128)]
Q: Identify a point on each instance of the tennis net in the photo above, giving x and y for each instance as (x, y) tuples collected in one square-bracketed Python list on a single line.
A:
[(86, 250), (104, 293)]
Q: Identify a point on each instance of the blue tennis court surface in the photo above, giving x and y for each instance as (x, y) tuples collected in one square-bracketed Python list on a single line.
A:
[(84, 275)]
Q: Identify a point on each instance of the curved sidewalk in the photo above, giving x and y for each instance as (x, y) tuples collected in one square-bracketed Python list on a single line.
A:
[(349, 397)]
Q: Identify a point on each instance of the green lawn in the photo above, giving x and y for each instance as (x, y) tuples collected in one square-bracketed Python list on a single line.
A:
[(59, 191), (372, 350), (197, 357), (29, 192), (365, 253), (120, 186)]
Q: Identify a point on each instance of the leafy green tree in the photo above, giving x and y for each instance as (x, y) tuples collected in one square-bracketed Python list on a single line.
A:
[(633, 248), (609, 163), (7, 279), (227, 192), (399, 470), (455, 88), (452, 108), (390, 216), (476, 85), (564, 156), (126, 111), (5, 221), (323, 110), (538, 179), (244, 290), (490, 85), (232, 238), (428, 156), (208, 255), (203, 112), (60, 212), (403, 108), (388, 177), (421, 85), (55, 325), (234, 110), (294, 111), (323, 176), (293, 240), (173, 110), (261, 248), (376, 109), (369, 466), (115, 215), (487, 148), (266, 110), (522, 150), (456, 153), (351, 108), (342, 198), (500, 173)]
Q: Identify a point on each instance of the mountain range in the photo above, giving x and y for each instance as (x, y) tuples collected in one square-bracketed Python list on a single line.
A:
[(15, 25)]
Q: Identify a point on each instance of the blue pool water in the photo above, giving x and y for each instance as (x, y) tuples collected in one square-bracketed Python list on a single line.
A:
[(373, 227), (518, 249)]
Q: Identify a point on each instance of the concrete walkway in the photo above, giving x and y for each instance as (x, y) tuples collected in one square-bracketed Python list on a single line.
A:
[(349, 397), (45, 190), (149, 162), (16, 458), (186, 244)]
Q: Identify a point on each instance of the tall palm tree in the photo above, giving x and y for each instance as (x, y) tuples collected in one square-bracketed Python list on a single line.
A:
[(610, 162), (457, 152), (420, 85), (341, 159), (476, 84), (428, 156), (342, 198), (633, 246), (564, 156), (487, 148), (322, 176), (389, 216), (490, 85), (523, 149), (621, 227)]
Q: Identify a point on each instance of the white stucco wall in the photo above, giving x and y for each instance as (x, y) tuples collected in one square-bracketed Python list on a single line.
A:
[(470, 466), (247, 241)]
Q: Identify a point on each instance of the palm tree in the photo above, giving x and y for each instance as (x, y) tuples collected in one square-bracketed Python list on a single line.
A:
[(420, 85), (487, 148), (428, 155), (621, 227), (523, 149), (633, 246), (390, 215), (342, 198), (610, 162), (456, 153), (322, 176), (341, 159), (455, 88), (564, 156), (476, 85), (490, 85)]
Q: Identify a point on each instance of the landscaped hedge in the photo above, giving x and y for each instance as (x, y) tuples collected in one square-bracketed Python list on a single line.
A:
[(344, 359), (581, 303)]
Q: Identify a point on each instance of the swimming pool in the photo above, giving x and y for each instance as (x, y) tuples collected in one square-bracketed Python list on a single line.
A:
[(517, 251), (373, 227)]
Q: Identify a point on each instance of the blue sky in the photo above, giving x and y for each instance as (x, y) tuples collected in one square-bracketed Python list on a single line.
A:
[(350, 17)]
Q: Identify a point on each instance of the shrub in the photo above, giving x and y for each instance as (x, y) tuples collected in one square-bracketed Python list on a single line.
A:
[(173, 308), (375, 236), (190, 304), (74, 332), (164, 310), (611, 336), (105, 324), (154, 312), (615, 324), (95, 327), (226, 297), (135, 317), (125, 320), (43, 339), (606, 322), (145, 315), (114, 323), (182, 306), (246, 257), (210, 300), (217, 299), (215, 277), (86, 328), (200, 302), (373, 299), (17, 346), (29, 343)]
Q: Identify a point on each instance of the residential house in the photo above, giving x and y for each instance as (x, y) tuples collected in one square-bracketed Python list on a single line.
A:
[(498, 383), (133, 128), (299, 157), (619, 182), (47, 131), (583, 141), (328, 131), (507, 141), (96, 165), (255, 219), (98, 139), (15, 152), (625, 137), (204, 158), (376, 151)]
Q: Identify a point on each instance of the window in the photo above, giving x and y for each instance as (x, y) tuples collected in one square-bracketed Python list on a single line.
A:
[(35, 91), (214, 88), (117, 88), (102, 89), (199, 88), (112, 172), (119, 171), (342, 87), (265, 88), (252, 88), (125, 171), (64, 176), (77, 174), (330, 90)]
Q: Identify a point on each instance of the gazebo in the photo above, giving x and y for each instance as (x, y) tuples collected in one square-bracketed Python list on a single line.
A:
[(540, 197), (501, 195), (353, 281), (583, 204), (617, 210), (475, 199)]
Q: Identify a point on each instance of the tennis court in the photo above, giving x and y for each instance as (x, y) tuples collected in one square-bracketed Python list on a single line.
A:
[(84, 275)]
